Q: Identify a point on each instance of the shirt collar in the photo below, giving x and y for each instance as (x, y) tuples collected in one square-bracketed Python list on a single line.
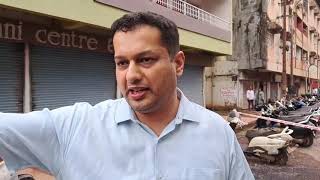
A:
[(186, 111), (124, 112)]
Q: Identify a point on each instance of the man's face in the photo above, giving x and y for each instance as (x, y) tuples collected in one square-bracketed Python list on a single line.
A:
[(146, 75)]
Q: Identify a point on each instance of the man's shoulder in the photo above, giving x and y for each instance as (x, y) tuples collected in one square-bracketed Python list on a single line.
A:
[(85, 106), (109, 102), (207, 116), (212, 125)]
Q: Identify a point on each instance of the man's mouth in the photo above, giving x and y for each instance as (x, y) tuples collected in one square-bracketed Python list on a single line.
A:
[(137, 93)]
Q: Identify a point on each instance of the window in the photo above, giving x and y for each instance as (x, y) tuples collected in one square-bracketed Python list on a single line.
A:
[(244, 4), (305, 5), (298, 53)]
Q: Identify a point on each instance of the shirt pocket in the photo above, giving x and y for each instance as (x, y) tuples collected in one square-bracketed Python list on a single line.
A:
[(202, 174)]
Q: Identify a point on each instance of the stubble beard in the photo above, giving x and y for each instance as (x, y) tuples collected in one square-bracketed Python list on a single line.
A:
[(144, 106)]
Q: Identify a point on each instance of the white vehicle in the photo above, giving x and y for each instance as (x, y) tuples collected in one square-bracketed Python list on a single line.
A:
[(272, 148)]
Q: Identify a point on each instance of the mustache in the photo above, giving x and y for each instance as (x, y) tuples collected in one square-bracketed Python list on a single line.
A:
[(137, 88)]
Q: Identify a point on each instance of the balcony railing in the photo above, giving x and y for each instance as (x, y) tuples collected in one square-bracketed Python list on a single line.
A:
[(192, 11)]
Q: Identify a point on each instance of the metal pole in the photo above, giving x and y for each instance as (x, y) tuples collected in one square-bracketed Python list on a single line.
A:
[(318, 73), (305, 58), (284, 49), (308, 79), (291, 52), (318, 63)]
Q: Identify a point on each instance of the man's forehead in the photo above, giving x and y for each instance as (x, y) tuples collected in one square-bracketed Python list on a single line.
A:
[(137, 28), (137, 42)]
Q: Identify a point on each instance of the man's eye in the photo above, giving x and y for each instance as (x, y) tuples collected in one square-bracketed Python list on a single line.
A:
[(146, 60), (122, 63)]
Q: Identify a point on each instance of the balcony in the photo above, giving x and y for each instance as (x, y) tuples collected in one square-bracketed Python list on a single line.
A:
[(312, 29), (312, 4), (288, 36), (274, 27), (316, 12), (192, 11), (186, 16), (312, 53)]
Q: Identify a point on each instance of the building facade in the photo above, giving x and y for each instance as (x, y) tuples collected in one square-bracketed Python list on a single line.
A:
[(55, 53), (258, 46)]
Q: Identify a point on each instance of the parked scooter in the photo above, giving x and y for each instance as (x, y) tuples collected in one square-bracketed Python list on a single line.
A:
[(234, 120), (280, 109), (290, 106), (302, 136), (272, 148), (267, 110)]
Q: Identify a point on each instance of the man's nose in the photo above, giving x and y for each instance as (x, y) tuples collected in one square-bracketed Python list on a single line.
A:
[(134, 73)]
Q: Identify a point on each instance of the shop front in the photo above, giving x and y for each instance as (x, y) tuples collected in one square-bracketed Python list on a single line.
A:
[(63, 67)]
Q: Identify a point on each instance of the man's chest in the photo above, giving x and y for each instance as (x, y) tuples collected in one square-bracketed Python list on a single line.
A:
[(143, 159)]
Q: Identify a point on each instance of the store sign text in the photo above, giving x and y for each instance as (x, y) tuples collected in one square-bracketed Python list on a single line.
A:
[(66, 39), (61, 38), (11, 31)]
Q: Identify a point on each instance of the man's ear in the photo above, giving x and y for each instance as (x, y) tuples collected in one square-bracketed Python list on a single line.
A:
[(179, 60)]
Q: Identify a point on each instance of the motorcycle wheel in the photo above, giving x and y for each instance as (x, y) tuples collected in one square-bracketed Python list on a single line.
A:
[(282, 157), (285, 112), (307, 141)]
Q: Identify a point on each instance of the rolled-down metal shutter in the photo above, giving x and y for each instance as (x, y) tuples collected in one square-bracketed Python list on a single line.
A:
[(61, 77), (191, 83), (11, 77)]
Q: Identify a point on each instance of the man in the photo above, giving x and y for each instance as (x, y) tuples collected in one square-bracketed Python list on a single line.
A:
[(154, 132), (250, 98), (260, 97)]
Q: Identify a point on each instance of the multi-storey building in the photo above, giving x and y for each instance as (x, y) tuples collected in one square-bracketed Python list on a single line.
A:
[(55, 52), (258, 46)]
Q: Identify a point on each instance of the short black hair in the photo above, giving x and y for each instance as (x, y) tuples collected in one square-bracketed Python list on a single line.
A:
[(168, 29)]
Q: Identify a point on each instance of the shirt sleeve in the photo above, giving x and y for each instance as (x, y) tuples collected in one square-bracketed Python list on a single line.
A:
[(239, 167), (31, 139)]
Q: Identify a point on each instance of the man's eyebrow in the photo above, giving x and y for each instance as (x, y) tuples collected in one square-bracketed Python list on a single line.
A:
[(119, 57), (144, 53), (141, 54)]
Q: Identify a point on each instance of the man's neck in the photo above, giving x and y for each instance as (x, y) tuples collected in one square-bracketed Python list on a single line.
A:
[(159, 119)]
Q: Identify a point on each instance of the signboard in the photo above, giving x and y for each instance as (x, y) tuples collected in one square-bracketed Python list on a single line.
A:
[(228, 93), (19, 31)]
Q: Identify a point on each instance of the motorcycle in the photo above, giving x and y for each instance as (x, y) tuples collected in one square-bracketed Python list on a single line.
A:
[(267, 110), (234, 120), (302, 136), (281, 109), (272, 148)]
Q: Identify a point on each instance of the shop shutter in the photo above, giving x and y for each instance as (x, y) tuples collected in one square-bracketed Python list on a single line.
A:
[(191, 83), (11, 77), (61, 77)]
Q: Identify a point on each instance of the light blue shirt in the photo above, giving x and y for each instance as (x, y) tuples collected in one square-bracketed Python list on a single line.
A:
[(107, 142)]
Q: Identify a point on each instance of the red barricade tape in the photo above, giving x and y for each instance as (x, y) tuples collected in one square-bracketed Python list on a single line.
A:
[(282, 121)]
